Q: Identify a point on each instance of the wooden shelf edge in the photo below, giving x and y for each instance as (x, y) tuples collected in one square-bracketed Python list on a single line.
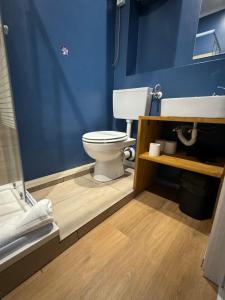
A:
[(184, 119), (186, 164)]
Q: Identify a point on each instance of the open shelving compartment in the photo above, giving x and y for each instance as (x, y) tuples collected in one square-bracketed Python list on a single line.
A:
[(150, 129)]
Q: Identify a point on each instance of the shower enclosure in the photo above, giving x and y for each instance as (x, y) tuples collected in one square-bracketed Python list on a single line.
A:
[(25, 224), (11, 175)]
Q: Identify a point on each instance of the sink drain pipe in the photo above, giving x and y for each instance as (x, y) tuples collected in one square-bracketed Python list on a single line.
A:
[(194, 134)]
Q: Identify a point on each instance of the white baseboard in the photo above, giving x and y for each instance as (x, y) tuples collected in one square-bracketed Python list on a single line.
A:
[(58, 177)]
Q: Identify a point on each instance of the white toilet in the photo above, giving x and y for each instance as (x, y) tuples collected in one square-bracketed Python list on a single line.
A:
[(109, 148)]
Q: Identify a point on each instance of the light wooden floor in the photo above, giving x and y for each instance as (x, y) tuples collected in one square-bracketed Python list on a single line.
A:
[(148, 250), (79, 200)]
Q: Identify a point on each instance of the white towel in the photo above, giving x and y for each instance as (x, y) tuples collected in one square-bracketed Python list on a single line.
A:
[(37, 217)]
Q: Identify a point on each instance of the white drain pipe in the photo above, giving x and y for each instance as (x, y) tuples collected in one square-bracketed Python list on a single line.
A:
[(194, 134), (129, 152), (129, 127)]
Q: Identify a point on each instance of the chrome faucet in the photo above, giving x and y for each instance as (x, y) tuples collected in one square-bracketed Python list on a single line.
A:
[(157, 91), (219, 87)]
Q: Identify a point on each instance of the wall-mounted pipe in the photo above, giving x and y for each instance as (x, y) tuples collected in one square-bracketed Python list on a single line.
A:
[(129, 127), (194, 135), (157, 91), (118, 33), (129, 153)]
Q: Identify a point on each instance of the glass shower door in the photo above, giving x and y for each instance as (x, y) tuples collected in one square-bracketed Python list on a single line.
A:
[(11, 174)]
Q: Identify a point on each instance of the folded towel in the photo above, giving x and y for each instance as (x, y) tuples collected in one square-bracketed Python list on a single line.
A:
[(37, 217), (24, 240)]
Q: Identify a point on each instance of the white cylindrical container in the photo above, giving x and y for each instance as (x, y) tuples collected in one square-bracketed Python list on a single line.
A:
[(162, 144), (170, 147), (154, 149)]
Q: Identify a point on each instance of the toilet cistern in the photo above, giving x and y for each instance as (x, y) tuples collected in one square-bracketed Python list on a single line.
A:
[(129, 104)]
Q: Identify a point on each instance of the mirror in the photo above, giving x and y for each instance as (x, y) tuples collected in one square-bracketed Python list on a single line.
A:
[(210, 37)]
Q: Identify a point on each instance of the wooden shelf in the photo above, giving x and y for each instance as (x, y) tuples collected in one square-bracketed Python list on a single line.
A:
[(186, 163), (184, 119)]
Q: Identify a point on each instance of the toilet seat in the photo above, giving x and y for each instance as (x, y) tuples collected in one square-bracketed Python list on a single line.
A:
[(102, 137)]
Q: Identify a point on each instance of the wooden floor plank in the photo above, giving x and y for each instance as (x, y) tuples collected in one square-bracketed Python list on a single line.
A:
[(148, 250)]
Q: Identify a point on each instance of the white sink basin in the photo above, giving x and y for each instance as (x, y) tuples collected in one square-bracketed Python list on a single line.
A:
[(202, 107)]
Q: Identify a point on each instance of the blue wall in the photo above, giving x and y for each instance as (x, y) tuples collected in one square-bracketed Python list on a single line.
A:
[(185, 78), (214, 21), (58, 98)]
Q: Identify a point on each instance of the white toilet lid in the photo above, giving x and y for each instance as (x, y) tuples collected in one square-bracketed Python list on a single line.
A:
[(104, 137)]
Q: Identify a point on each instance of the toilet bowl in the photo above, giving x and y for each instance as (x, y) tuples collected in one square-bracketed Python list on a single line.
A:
[(106, 148)]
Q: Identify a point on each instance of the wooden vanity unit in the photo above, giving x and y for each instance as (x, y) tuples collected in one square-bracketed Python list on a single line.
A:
[(150, 129)]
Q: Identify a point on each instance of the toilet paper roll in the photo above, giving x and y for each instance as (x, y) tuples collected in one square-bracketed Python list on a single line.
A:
[(170, 147), (154, 149), (162, 144)]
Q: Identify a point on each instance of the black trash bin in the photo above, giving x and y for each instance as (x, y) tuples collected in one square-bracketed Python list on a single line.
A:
[(197, 195)]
